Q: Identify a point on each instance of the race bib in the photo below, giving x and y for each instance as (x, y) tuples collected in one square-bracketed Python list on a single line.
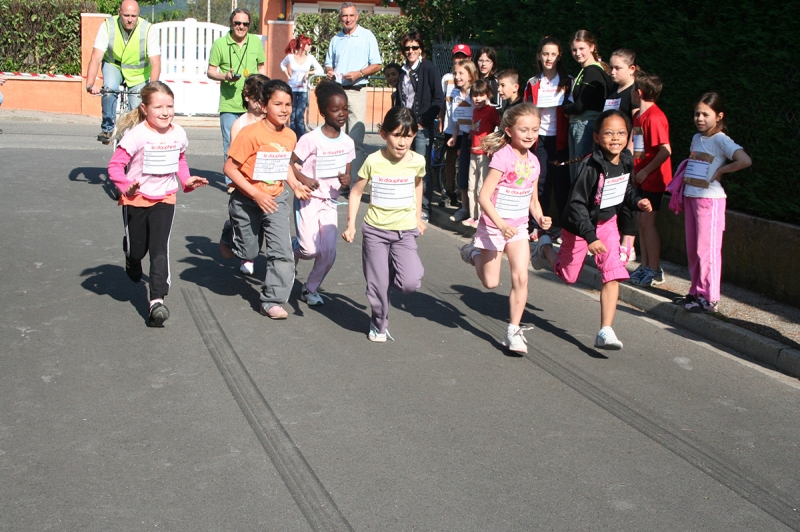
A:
[(393, 192), (462, 112), (161, 159), (551, 98), (614, 190), (696, 173), (513, 203), (271, 166), (638, 143), (330, 164), (612, 103)]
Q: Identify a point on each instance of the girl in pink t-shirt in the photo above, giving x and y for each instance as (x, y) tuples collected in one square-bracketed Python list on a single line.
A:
[(506, 199), (327, 154), (154, 149)]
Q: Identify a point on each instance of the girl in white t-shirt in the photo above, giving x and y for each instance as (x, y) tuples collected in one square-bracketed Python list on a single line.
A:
[(704, 201), (507, 199), (298, 65), (154, 150), (326, 154)]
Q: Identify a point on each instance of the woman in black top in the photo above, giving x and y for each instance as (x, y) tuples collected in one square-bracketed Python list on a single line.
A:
[(592, 86), (419, 89), (487, 69)]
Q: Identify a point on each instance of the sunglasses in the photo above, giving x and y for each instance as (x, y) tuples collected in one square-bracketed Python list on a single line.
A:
[(409, 48), (237, 23)]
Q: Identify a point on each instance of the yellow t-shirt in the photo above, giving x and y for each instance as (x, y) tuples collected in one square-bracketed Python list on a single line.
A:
[(393, 202)]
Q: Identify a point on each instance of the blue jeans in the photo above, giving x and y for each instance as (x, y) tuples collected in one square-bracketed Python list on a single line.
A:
[(422, 146), (299, 104), (226, 121), (112, 79), (580, 143)]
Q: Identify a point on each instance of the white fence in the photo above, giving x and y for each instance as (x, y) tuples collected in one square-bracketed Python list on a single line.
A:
[(185, 47)]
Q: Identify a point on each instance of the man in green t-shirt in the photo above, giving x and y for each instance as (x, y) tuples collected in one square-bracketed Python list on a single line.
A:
[(234, 57)]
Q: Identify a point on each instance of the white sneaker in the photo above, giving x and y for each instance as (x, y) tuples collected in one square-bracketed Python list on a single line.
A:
[(246, 267), (460, 215), (468, 252), (312, 298), (375, 336), (606, 339), (538, 260), (515, 340)]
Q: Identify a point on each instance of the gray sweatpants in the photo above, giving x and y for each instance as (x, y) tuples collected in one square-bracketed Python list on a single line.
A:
[(389, 258), (247, 220)]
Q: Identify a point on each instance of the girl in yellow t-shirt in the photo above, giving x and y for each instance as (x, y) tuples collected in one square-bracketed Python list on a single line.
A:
[(394, 219)]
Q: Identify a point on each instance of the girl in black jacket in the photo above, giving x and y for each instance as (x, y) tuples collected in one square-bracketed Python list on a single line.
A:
[(603, 185), (589, 91)]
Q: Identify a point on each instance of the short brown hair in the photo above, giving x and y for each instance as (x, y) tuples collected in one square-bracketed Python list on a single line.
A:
[(650, 85), (511, 74)]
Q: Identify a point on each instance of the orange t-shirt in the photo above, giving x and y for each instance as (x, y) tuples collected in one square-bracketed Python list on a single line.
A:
[(260, 138)]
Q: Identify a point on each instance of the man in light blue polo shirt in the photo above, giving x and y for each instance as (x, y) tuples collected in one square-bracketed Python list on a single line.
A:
[(352, 57)]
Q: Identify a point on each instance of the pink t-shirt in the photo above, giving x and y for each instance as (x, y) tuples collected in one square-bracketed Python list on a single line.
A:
[(512, 197), (323, 158), (154, 159)]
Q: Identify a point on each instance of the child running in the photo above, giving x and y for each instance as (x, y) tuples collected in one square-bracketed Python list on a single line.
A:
[(326, 154), (258, 165), (154, 149), (506, 198), (704, 201), (394, 219), (484, 121), (603, 184)]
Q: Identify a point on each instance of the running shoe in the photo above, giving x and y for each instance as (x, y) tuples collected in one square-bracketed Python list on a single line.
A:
[(702, 304), (275, 312), (606, 339), (158, 315), (460, 215), (515, 341), (246, 267), (637, 275), (468, 252), (376, 336), (312, 298)]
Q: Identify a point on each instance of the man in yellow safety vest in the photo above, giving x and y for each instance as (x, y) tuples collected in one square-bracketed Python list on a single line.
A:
[(129, 52)]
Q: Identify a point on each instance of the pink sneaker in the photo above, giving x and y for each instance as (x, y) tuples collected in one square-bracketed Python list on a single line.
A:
[(275, 312), (471, 222)]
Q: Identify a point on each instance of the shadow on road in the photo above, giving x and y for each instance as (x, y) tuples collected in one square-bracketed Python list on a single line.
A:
[(215, 179), (495, 305), (111, 280), (95, 176)]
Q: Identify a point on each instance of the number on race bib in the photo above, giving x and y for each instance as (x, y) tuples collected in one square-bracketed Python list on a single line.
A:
[(614, 190), (513, 203), (393, 192), (330, 165), (161, 159), (271, 166)]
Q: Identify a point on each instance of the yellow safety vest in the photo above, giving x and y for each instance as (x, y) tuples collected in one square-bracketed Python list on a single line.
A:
[(130, 57)]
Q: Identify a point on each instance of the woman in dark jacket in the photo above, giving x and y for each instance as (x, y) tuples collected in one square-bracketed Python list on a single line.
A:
[(420, 90)]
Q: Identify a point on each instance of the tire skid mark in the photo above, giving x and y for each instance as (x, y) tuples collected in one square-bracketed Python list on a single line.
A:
[(314, 501)]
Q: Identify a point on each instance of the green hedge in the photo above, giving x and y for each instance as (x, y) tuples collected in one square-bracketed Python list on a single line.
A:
[(743, 49), (42, 37), (321, 27)]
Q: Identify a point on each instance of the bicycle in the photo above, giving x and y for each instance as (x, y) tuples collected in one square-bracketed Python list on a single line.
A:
[(123, 107)]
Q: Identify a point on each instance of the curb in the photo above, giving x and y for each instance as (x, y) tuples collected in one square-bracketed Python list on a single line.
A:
[(765, 350)]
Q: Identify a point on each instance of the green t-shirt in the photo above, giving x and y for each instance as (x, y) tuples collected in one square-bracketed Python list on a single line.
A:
[(393, 202), (227, 55)]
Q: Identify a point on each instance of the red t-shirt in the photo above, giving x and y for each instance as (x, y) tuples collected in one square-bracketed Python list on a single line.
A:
[(651, 130), (484, 121)]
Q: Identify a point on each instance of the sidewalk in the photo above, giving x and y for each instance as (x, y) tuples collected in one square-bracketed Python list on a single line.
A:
[(753, 325)]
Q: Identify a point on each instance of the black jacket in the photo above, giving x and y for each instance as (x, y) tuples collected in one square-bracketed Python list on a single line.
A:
[(590, 94), (429, 98), (582, 214)]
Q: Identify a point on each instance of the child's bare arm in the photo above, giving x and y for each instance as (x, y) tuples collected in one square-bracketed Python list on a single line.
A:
[(356, 192), (264, 200), (485, 201)]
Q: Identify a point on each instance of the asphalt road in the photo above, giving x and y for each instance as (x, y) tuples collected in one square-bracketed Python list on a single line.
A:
[(224, 420)]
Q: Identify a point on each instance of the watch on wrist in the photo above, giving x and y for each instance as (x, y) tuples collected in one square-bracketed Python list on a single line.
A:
[(89, 88)]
